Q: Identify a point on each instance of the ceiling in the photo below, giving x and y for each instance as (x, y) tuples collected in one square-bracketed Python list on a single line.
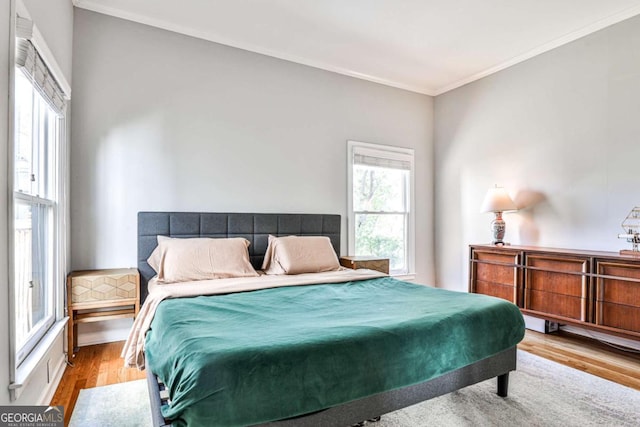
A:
[(425, 46)]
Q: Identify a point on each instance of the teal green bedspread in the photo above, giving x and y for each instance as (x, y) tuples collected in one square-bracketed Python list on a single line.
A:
[(252, 357)]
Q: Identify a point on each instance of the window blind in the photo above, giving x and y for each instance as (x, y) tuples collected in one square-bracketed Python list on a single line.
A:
[(28, 59), (369, 160)]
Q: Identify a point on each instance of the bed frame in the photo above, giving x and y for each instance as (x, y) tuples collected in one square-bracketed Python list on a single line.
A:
[(256, 228)]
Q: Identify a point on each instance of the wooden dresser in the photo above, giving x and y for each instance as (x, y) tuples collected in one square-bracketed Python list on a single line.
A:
[(595, 290)]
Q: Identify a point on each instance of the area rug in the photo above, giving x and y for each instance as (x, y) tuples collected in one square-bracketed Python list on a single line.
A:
[(117, 405), (541, 393)]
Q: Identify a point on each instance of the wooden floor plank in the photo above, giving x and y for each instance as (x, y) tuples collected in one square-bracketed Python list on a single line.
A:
[(94, 366), (586, 354), (100, 365)]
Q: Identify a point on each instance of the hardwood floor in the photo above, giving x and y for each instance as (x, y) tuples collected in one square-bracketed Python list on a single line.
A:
[(587, 355), (99, 365), (94, 366)]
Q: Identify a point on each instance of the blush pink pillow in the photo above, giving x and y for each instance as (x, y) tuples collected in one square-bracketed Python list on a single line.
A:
[(201, 258), (299, 254)]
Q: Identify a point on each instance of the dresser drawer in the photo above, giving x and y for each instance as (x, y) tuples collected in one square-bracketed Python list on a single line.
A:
[(556, 304), (498, 274), (618, 295), (557, 275), (618, 316), (507, 292), (618, 283), (88, 287)]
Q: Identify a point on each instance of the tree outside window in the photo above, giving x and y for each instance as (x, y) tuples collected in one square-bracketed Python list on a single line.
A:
[(380, 200)]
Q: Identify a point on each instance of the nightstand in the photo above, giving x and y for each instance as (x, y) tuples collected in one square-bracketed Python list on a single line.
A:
[(372, 263), (97, 295)]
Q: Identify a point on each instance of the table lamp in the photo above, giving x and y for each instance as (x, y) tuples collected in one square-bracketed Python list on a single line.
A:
[(497, 201)]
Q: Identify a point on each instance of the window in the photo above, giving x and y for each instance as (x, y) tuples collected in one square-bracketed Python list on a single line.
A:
[(381, 204), (37, 256), (37, 136)]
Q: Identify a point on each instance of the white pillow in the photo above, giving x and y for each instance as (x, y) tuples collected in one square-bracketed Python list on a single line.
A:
[(299, 254), (201, 258)]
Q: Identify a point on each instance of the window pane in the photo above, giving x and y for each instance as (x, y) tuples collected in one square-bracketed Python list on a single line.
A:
[(24, 134), (378, 189), (380, 220), (382, 235), (33, 293), (37, 130)]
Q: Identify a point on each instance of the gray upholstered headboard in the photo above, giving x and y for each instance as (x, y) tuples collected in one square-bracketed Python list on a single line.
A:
[(254, 227)]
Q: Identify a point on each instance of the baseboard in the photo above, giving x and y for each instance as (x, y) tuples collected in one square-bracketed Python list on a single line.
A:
[(546, 327), (540, 325), (103, 332), (50, 390), (610, 339)]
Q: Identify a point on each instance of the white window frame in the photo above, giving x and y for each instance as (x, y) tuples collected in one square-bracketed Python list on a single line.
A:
[(21, 371), (391, 153), (47, 269)]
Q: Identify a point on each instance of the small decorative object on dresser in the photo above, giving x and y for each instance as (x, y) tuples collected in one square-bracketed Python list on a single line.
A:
[(96, 295), (631, 227), (371, 263)]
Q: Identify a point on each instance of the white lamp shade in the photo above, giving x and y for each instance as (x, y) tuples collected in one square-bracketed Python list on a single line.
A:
[(497, 200)]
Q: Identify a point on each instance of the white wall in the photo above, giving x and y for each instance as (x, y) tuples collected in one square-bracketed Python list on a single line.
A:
[(54, 19), (561, 132), (163, 121)]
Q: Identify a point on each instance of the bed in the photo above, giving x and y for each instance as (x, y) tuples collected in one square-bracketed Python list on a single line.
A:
[(331, 384)]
